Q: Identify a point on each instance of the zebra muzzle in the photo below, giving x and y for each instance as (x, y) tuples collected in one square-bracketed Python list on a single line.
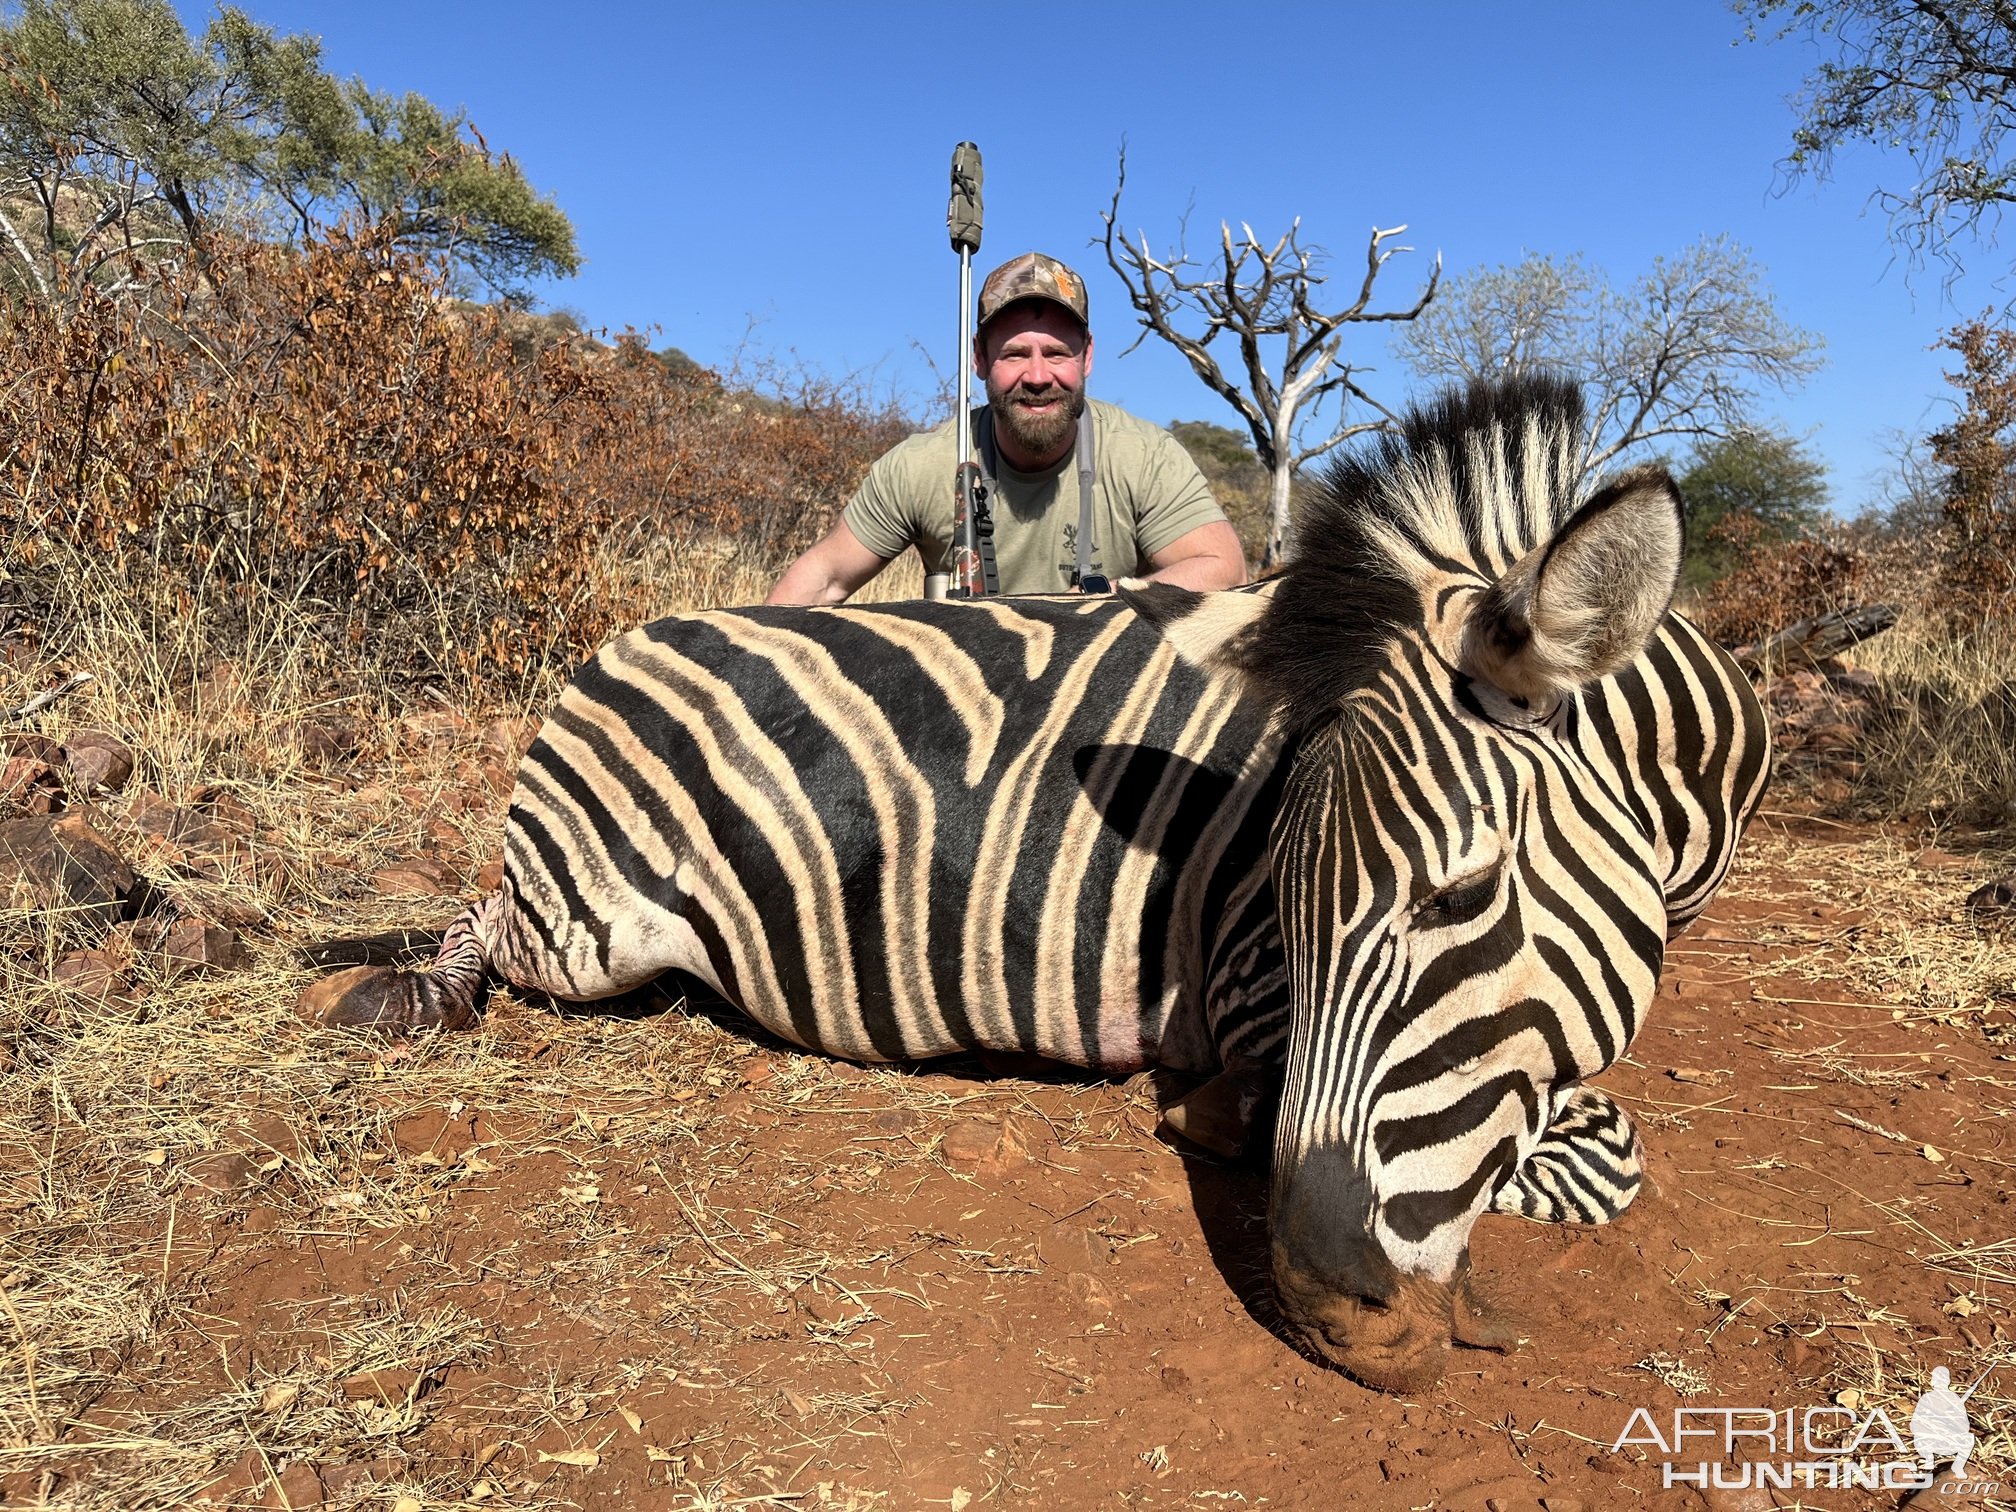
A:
[(1397, 1338)]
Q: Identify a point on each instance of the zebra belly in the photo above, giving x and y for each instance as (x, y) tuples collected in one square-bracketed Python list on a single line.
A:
[(901, 831)]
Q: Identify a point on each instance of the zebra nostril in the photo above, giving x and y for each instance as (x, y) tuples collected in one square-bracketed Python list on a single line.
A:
[(1374, 1304)]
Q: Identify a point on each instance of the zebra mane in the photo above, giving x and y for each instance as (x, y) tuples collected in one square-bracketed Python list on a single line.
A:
[(1470, 482)]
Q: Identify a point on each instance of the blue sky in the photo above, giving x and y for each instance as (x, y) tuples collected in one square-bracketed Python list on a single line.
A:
[(786, 165)]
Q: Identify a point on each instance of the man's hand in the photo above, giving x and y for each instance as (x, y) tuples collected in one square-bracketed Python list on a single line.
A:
[(1205, 558), (830, 571)]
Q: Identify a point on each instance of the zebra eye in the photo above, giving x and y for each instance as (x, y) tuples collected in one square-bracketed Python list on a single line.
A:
[(1460, 900)]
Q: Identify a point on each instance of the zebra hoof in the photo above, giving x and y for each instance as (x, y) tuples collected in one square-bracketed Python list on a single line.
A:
[(1219, 1116), (371, 998)]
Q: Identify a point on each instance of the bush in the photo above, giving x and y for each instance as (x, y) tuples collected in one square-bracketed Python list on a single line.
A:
[(327, 427), (1775, 581)]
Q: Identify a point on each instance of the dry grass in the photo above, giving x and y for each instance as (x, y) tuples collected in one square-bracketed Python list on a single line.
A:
[(137, 1137), (1946, 744)]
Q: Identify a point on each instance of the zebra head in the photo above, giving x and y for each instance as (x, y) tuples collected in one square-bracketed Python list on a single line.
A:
[(1466, 860)]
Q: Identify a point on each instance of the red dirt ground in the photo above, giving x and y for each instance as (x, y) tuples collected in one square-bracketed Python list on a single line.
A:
[(810, 1285)]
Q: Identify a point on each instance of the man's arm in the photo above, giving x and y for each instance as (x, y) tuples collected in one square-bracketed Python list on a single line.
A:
[(1205, 558), (830, 571)]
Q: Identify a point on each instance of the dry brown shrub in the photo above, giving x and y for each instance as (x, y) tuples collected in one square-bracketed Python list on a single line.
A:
[(435, 493), (1775, 581)]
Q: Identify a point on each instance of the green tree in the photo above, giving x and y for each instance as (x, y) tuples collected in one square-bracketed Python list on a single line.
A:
[(1763, 475), (1935, 79), (1683, 351), (120, 133)]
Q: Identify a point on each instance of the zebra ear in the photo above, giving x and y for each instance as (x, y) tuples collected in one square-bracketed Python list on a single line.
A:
[(1586, 603), (1208, 630)]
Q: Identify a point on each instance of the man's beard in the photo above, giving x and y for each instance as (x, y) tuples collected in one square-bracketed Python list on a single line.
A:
[(1037, 435)]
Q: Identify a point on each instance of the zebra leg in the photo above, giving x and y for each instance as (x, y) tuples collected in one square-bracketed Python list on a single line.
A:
[(1221, 1115), (1586, 1168), (398, 1002)]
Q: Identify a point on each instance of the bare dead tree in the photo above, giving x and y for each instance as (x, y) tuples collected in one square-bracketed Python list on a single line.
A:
[(1285, 352)]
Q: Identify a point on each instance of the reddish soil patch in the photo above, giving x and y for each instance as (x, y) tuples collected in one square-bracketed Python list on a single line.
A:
[(798, 1283)]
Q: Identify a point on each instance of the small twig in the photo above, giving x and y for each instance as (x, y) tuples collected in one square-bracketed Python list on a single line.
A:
[(42, 701)]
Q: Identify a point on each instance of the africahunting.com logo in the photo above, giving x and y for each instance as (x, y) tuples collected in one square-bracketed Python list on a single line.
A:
[(1836, 1447)]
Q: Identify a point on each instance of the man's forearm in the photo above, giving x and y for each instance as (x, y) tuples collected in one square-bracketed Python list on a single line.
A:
[(806, 584), (1202, 573)]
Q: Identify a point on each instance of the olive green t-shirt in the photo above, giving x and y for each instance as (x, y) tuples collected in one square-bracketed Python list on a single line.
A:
[(1146, 492)]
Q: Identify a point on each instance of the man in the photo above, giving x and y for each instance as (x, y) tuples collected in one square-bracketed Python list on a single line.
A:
[(1151, 512)]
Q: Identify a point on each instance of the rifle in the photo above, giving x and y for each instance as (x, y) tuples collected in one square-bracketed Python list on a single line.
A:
[(973, 573)]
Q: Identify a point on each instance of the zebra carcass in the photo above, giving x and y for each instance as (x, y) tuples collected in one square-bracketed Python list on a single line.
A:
[(1402, 832)]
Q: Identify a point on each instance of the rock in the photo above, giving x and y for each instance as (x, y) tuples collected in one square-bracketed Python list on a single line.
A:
[(23, 778), (491, 876), (190, 947), (40, 747), (509, 739), (297, 1487), (1831, 790), (1177, 1379), (1089, 1292), (98, 762), (419, 877), (246, 1477), (61, 862), (1934, 859), (984, 1147), (222, 805), (152, 814), (93, 975)]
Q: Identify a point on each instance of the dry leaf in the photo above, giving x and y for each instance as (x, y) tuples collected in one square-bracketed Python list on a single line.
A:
[(798, 1404), (406, 1504), (961, 1498), (486, 1454), (1961, 1307), (659, 1456), (1933, 1155), (278, 1398), (155, 1157), (587, 1459), (636, 1423)]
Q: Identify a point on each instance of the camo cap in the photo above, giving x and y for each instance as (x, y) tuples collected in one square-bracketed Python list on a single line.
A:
[(1033, 276)]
